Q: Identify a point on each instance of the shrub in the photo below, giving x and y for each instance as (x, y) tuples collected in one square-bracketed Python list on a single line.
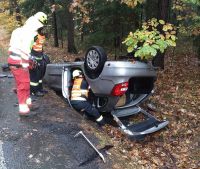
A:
[(154, 36)]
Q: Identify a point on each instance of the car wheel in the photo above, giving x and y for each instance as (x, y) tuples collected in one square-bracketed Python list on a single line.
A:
[(106, 104), (95, 59)]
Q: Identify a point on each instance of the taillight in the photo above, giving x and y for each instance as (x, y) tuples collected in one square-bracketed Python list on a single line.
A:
[(120, 89)]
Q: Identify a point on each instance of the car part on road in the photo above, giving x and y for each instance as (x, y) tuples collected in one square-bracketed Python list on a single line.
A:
[(81, 133), (95, 59), (5, 67), (3, 75), (10, 76), (16, 104), (149, 125), (93, 156)]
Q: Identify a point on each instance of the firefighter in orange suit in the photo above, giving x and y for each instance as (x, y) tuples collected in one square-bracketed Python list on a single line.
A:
[(36, 74), (19, 60), (79, 97)]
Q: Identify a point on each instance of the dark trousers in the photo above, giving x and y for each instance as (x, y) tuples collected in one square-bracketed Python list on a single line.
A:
[(36, 75), (85, 106)]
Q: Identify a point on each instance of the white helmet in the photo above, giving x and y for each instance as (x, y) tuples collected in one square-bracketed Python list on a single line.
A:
[(42, 17), (76, 73)]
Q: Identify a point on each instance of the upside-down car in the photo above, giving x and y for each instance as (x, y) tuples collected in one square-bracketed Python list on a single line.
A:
[(119, 88)]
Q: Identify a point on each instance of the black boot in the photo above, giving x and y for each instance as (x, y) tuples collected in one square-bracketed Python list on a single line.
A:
[(37, 94), (100, 121), (43, 91)]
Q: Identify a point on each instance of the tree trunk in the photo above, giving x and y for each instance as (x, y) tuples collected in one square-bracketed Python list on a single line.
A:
[(163, 13), (56, 44), (82, 30), (163, 9), (18, 16), (198, 41), (150, 7), (12, 5), (11, 10), (70, 31)]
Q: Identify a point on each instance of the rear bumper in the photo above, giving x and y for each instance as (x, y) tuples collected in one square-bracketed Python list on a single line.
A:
[(115, 72)]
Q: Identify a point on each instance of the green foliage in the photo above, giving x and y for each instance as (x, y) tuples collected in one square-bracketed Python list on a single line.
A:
[(9, 22), (107, 21), (132, 3), (195, 2), (188, 19), (153, 37), (30, 7)]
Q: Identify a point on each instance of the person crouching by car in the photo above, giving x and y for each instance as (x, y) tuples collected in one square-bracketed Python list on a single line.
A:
[(79, 97), (19, 61), (36, 74)]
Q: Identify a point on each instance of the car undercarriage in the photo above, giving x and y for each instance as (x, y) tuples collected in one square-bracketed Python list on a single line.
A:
[(111, 82)]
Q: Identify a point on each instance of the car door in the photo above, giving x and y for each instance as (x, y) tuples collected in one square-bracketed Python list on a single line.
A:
[(66, 83)]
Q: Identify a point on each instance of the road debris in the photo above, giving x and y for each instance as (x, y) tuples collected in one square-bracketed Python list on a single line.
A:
[(101, 155)]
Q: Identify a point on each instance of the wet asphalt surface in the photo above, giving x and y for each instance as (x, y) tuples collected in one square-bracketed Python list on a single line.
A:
[(45, 140)]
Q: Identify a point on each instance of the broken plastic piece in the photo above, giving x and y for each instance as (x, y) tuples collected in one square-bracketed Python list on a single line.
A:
[(101, 155)]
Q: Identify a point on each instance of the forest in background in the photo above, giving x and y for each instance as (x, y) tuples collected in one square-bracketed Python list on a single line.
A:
[(78, 24)]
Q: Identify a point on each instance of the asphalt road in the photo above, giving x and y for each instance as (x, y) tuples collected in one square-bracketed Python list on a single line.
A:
[(46, 140)]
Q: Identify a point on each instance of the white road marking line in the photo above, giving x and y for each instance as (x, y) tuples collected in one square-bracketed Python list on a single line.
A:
[(2, 159)]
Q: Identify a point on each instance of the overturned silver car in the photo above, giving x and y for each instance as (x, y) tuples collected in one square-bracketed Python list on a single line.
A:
[(119, 88)]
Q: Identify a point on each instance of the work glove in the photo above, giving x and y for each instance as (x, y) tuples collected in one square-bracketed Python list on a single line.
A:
[(32, 62), (32, 58)]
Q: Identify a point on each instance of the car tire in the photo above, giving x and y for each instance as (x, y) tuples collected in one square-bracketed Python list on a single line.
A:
[(95, 59)]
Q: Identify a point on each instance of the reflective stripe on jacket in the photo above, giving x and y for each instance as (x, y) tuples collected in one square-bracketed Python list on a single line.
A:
[(20, 43), (79, 89), (22, 39), (38, 44)]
